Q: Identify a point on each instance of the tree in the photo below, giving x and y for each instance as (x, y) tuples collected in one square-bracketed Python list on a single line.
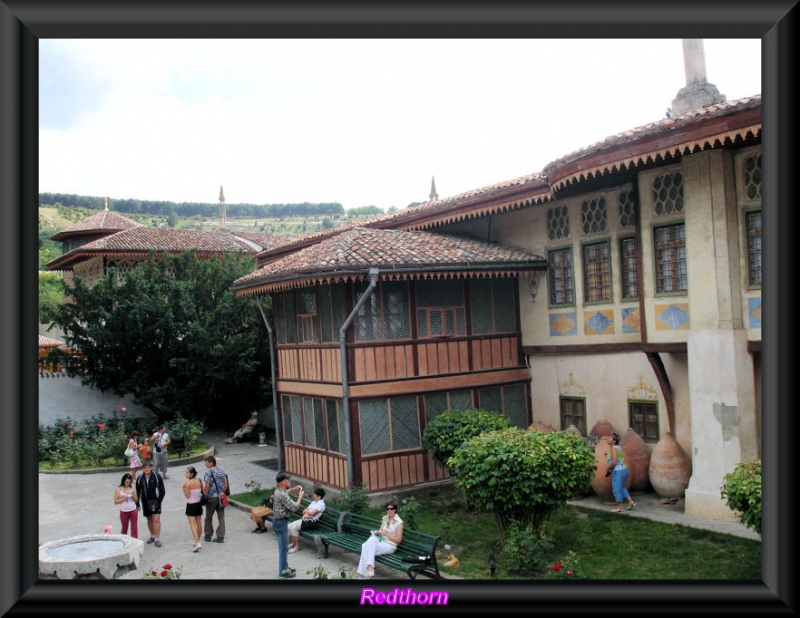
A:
[(171, 334), (446, 432), (51, 296), (522, 476)]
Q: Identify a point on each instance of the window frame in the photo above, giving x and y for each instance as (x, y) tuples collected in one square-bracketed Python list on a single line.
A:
[(564, 415), (675, 247), (750, 252), (654, 424), (603, 276), (627, 267), (568, 279)]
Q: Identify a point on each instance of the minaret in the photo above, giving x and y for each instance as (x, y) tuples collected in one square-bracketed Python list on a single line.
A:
[(105, 205), (222, 221), (434, 196), (698, 92)]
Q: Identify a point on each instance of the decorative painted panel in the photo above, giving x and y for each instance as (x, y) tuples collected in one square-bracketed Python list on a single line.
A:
[(563, 324), (631, 320), (599, 322), (672, 317), (754, 312)]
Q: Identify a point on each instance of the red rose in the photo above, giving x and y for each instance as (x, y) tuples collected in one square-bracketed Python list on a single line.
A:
[(163, 573), (153, 573), (558, 566), (167, 566), (101, 425)]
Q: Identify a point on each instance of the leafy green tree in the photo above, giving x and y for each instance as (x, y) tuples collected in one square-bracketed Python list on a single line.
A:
[(446, 432), (171, 334), (51, 296), (522, 476), (742, 491), (172, 218)]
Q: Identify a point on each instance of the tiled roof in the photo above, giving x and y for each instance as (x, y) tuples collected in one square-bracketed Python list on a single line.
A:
[(142, 239), (394, 252), (103, 221), (266, 241), (709, 126), (47, 342)]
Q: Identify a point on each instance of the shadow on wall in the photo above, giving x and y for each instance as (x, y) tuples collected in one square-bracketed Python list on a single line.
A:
[(62, 397)]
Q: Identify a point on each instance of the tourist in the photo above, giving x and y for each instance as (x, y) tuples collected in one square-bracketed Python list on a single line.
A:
[(215, 483), (151, 491), (125, 496), (193, 490), (282, 505), (384, 540), (308, 521)]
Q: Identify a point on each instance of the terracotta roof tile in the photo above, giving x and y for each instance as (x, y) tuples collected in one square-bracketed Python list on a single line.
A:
[(103, 221), (143, 239), (392, 251), (47, 342)]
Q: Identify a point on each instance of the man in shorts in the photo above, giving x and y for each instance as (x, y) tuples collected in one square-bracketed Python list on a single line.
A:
[(160, 441), (150, 490)]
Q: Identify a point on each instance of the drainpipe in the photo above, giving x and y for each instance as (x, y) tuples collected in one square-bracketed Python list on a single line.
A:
[(275, 412), (373, 277)]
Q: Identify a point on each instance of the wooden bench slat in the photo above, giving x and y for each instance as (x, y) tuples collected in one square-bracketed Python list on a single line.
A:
[(355, 529)]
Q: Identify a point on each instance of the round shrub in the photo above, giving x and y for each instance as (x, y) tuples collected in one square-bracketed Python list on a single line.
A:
[(450, 429), (742, 490)]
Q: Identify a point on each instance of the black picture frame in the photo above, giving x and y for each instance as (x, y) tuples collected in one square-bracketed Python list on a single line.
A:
[(24, 22)]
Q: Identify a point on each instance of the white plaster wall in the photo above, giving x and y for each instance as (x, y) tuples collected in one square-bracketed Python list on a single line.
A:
[(605, 380), (64, 397)]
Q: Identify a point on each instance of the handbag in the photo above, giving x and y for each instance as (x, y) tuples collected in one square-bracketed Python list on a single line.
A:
[(309, 524), (203, 496), (223, 499), (129, 452)]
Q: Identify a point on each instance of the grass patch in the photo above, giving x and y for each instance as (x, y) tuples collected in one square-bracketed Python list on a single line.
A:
[(609, 546)]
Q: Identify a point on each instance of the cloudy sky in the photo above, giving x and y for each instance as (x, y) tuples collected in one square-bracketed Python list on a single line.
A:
[(359, 122)]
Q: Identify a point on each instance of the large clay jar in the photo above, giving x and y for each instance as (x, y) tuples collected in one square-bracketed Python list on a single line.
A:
[(600, 429), (540, 426), (637, 458), (601, 484), (670, 468)]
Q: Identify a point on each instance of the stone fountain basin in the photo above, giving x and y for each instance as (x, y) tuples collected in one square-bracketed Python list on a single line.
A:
[(100, 556)]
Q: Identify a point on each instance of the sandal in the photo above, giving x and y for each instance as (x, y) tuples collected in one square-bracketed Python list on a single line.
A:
[(617, 511), (292, 550), (631, 505)]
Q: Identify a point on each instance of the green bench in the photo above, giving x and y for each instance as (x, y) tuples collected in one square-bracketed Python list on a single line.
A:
[(328, 523), (418, 547)]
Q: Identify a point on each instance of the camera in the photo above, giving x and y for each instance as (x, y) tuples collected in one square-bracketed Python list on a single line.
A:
[(158, 450)]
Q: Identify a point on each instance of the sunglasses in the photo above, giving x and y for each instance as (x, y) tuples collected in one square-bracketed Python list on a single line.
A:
[(391, 508)]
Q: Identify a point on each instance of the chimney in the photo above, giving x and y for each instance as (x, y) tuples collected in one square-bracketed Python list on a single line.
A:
[(698, 92)]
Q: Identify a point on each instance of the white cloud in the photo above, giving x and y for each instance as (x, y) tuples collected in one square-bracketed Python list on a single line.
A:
[(358, 122)]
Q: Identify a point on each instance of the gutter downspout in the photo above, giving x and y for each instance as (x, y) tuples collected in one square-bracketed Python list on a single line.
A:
[(373, 276), (275, 412)]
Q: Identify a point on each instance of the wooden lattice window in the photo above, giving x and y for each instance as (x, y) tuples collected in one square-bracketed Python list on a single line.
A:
[(596, 273), (753, 223), (670, 253), (440, 308), (643, 419), (573, 412), (559, 275), (628, 273)]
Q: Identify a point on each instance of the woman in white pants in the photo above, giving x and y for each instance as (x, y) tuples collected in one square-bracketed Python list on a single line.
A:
[(384, 540)]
